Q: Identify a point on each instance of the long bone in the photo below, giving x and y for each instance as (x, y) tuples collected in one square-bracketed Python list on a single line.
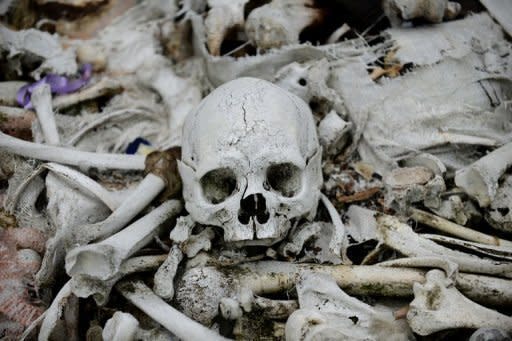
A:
[(480, 179), (402, 238), (70, 156), (457, 230), (180, 325), (211, 284), (103, 260), (439, 306), (42, 100)]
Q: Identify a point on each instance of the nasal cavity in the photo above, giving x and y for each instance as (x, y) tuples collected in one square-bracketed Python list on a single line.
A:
[(253, 206)]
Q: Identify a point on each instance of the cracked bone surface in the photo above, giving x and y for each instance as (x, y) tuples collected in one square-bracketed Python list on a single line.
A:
[(251, 161), (102, 260), (201, 289), (42, 100), (438, 305)]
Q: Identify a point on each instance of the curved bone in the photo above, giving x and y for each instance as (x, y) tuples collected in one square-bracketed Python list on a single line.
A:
[(102, 260), (437, 306), (70, 156), (133, 204), (171, 319)]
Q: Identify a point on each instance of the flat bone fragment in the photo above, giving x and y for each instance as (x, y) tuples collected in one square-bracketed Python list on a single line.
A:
[(432, 10), (401, 237), (223, 16), (103, 260), (42, 101), (208, 285), (171, 319), (501, 10), (438, 306), (70, 156), (8, 92), (457, 230), (499, 213), (42, 45), (327, 312), (120, 327), (280, 22), (480, 179)]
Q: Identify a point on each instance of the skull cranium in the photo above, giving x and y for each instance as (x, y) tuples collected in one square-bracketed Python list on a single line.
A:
[(251, 161)]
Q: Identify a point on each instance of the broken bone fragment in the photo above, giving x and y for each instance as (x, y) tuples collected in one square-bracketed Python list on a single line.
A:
[(480, 179), (433, 11), (251, 161), (280, 22), (438, 306)]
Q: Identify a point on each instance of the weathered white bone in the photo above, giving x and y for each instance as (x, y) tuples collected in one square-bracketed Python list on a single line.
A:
[(224, 15), (339, 241), (69, 156), (333, 133), (499, 252), (401, 237), (439, 306), (299, 236), (41, 45), (124, 327), (103, 87), (164, 277), (251, 161), (480, 180), (499, 213), (280, 22), (102, 260), (180, 95), (180, 325), (85, 286), (63, 309), (449, 227), (133, 204), (432, 10), (42, 101), (85, 184), (210, 284), (326, 312), (67, 209), (198, 242)]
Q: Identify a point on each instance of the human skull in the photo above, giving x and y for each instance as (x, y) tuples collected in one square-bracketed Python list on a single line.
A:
[(251, 161)]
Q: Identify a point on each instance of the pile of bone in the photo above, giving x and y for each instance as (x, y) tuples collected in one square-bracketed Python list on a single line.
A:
[(207, 170)]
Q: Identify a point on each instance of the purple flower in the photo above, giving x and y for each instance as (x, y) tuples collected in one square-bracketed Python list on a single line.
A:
[(58, 84)]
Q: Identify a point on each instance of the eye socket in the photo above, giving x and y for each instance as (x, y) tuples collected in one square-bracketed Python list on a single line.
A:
[(218, 185), (285, 178)]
